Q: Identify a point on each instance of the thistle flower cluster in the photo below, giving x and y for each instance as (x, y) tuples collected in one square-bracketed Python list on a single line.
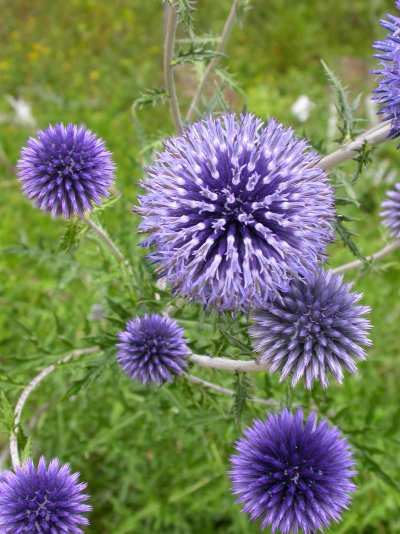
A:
[(47, 500), (295, 476), (313, 330), (388, 91), (65, 169), (235, 210), (152, 349), (239, 216)]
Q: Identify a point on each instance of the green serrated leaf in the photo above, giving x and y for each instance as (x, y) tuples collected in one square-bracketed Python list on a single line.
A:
[(364, 158), (72, 235), (345, 235), (230, 80), (106, 204), (195, 53), (185, 10), (242, 389), (150, 97), (344, 108)]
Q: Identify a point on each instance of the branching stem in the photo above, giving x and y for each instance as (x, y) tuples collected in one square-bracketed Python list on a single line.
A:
[(225, 391), (169, 45), (374, 257), (374, 136), (226, 32), (15, 458)]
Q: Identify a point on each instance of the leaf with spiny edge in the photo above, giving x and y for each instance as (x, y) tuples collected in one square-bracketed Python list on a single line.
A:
[(344, 108), (242, 392), (195, 53), (151, 97)]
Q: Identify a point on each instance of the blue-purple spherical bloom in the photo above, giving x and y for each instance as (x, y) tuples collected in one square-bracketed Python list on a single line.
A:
[(235, 209), (313, 330), (65, 169), (152, 349), (296, 477), (46, 500), (391, 211), (388, 91)]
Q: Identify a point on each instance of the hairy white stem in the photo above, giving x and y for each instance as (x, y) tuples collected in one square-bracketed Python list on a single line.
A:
[(226, 364), (373, 257), (169, 44), (374, 136), (226, 32), (225, 391), (31, 387)]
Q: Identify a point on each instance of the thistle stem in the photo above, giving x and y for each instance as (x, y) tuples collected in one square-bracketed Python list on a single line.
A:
[(388, 249), (225, 391), (226, 33), (15, 457), (226, 364), (374, 136), (169, 44), (112, 247)]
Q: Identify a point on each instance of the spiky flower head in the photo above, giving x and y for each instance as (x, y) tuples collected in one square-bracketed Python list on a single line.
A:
[(296, 477), (313, 330), (152, 349), (388, 90), (65, 169), (391, 211), (235, 209), (47, 499)]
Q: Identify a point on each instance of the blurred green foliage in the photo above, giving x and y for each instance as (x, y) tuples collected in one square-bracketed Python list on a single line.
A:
[(156, 460)]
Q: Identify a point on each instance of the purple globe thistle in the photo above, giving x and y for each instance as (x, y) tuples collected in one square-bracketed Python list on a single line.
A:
[(391, 211), (235, 209), (65, 170), (152, 349), (294, 477), (388, 91), (314, 329), (48, 499)]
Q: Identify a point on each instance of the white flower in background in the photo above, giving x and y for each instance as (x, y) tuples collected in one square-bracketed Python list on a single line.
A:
[(301, 109), (23, 111)]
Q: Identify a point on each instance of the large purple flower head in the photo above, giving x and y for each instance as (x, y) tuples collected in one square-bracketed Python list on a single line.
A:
[(295, 477), (391, 211), (65, 170), (46, 500), (314, 329), (235, 209), (152, 349), (388, 91)]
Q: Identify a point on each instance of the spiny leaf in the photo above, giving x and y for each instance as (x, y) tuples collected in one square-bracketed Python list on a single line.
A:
[(230, 80), (343, 106), (72, 235), (195, 53), (150, 97), (363, 159), (106, 203), (242, 388), (185, 10), (345, 235)]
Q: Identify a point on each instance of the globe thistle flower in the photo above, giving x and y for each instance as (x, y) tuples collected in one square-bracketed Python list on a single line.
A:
[(152, 349), (235, 209), (388, 91), (65, 170), (391, 212), (295, 477), (314, 329), (48, 499)]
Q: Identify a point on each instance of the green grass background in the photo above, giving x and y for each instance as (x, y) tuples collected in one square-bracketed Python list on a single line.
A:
[(156, 460)]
